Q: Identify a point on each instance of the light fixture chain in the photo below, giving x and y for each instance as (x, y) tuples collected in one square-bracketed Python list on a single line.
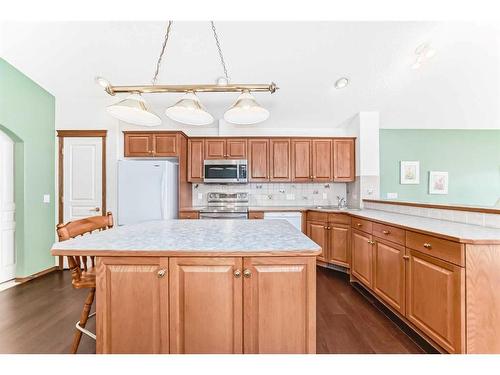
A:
[(158, 63), (223, 63)]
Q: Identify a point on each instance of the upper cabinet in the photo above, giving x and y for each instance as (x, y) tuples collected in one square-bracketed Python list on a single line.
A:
[(151, 144), (225, 148), (195, 159), (322, 160), (344, 161), (258, 159), (301, 160), (279, 159)]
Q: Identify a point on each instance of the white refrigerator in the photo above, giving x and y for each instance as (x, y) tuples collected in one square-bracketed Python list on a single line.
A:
[(147, 190)]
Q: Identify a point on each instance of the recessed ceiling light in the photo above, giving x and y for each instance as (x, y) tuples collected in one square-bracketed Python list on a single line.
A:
[(341, 83)]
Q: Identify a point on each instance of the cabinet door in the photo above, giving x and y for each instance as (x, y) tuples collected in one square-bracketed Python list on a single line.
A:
[(215, 148), (280, 159), (389, 273), (362, 257), (132, 305), (259, 159), (195, 160), (339, 248), (301, 160), (236, 148), (279, 305), (140, 144), (205, 305), (435, 299), (317, 232), (322, 160), (165, 145), (343, 160)]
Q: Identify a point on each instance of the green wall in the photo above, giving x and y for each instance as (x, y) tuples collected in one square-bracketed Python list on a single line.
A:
[(27, 115), (471, 158)]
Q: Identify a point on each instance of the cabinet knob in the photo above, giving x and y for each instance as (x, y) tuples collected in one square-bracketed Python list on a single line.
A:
[(371, 242), (328, 228), (386, 232), (247, 273), (325, 227), (237, 273), (406, 257), (427, 245), (359, 224), (161, 273)]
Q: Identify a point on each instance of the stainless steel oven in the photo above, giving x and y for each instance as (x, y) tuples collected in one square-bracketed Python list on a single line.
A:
[(225, 171), (226, 206)]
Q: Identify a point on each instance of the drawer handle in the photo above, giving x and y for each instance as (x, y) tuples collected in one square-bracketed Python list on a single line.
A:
[(161, 273), (237, 273), (359, 224), (386, 232), (427, 245)]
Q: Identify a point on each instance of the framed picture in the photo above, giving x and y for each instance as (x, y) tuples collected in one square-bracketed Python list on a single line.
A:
[(410, 172), (438, 182)]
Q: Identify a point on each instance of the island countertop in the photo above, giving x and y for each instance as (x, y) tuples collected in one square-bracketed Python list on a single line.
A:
[(193, 238)]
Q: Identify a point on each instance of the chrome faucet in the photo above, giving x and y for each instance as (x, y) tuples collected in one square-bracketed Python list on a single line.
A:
[(341, 202)]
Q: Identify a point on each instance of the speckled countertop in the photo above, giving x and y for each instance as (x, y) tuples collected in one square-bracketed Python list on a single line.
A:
[(161, 237)]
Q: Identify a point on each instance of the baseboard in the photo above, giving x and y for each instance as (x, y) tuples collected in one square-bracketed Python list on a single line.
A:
[(35, 275)]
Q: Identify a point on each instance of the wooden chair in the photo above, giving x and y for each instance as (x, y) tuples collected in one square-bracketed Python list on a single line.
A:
[(83, 274)]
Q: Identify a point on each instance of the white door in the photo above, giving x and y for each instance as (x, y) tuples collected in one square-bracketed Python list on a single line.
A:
[(7, 210), (82, 194)]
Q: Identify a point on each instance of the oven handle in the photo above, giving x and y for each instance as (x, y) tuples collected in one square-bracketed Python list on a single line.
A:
[(223, 216)]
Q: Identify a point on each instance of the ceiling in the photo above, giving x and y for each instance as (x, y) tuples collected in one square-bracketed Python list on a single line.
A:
[(458, 88)]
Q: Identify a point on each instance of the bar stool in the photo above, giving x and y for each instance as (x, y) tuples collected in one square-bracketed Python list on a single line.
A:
[(83, 275)]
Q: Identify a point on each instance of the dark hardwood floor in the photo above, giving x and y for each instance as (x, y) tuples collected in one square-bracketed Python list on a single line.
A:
[(39, 317)]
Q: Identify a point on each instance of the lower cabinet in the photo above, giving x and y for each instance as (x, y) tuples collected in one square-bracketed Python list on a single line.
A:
[(317, 231), (435, 296), (338, 246), (362, 257), (389, 273), (206, 305), (132, 305)]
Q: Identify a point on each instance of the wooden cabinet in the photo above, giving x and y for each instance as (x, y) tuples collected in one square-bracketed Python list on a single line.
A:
[(189, 215), (317, 231), (151, 144), (134, 288), (279, 302), (301, 160), (206, 305), (195, 159), (138, 144), (362, 257), (279, 163), (344, 162), (256, 215), (389, 273), (225, 148), (322, 160), (435, 299), (338, 246), (258, 159)]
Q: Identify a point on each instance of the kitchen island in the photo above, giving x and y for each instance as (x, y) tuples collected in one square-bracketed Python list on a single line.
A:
[(208, 286)]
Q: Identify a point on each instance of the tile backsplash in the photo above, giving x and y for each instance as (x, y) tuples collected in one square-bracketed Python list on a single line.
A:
[(277, 194)]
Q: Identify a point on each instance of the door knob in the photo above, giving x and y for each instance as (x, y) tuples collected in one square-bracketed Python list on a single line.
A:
[(161, 273), (247, 273)]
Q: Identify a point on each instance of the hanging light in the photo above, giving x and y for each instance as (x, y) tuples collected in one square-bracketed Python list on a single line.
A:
[(134, 110), (190, 111), (246, 111)]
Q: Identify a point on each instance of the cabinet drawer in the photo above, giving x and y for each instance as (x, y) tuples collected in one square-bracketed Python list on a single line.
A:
[(437, 247), (362, 225), (317, 216), (256, 215), (339, 218), (389, 233), (189, 215)]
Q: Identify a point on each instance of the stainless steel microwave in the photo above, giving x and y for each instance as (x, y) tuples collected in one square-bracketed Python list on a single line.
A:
[(225, 171)]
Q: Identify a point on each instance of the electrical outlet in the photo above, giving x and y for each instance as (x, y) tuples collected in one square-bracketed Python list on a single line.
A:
[(46, 198), (200, 196), (325, 196), (392, 195), (290, 197)]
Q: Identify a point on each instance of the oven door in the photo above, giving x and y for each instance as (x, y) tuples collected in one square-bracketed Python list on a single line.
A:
[(222, 171), (226, 215)]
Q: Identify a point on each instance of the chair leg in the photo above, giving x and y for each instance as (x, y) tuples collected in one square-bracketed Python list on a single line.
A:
[(83, 320)]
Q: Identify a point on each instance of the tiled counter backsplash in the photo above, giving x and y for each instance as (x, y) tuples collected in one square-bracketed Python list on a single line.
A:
[(276, 194)]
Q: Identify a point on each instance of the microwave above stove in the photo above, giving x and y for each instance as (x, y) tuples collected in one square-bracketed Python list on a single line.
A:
[(225, 171)]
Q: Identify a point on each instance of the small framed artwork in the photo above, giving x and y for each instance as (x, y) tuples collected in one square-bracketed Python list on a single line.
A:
[(438, 182), (410, 172)]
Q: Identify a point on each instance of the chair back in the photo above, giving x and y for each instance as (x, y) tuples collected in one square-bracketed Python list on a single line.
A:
[(81, 227)]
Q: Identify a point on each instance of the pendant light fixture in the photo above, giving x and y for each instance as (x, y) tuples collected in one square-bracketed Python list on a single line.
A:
[(246, 111), (188, 110)]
